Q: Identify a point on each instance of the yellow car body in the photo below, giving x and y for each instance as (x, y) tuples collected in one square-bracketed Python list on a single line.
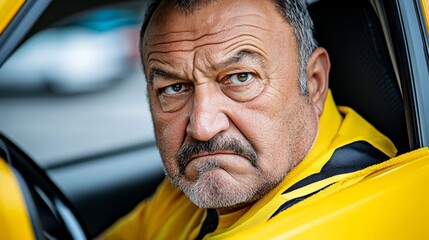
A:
[(14, 215)]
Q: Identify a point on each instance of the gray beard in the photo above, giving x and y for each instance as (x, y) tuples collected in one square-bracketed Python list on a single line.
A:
[(212, 190)]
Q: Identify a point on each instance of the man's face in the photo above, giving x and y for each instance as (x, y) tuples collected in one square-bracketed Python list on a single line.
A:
[(223, 85)]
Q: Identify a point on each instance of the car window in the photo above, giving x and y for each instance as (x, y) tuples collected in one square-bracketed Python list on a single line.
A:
[(77, 89)]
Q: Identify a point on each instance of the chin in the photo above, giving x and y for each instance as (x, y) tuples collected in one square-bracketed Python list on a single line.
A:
[(214, 189), (218, 189)]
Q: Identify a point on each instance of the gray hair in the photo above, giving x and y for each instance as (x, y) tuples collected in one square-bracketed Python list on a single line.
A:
[(295, 13)]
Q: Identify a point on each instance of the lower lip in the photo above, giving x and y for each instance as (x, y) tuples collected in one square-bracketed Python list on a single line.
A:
[(222, 159), (214, 155)]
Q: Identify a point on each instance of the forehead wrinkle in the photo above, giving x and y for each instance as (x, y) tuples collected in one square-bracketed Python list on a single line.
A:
[(171, 32), (184, 40), (202, 45), (203, 35), (195, 47), (251, 18)]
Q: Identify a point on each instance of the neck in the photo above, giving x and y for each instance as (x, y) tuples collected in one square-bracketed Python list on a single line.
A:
[(235, 208)]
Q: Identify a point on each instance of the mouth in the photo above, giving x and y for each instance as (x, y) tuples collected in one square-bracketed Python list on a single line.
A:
[(208, 154), (221, 150)]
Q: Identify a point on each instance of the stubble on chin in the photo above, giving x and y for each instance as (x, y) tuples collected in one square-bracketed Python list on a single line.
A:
[(216, 188)]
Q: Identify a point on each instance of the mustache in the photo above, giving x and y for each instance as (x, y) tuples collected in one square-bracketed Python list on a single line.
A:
[(242, 148)]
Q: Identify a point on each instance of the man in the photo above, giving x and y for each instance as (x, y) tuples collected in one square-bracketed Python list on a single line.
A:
[(243, 117)]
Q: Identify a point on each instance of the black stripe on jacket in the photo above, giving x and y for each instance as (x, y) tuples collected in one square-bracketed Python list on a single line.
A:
[(346, 159)]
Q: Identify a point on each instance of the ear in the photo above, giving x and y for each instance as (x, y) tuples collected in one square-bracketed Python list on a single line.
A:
[(317, 69)]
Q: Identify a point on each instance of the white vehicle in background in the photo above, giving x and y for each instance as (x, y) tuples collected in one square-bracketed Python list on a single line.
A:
[(79, 57)]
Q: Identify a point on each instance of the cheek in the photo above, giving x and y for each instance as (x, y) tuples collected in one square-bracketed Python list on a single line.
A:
[(167, 125), (170, 130), (282, 133)]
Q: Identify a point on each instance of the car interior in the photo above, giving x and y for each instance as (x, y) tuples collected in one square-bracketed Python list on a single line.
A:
[(353, 36), (363, 76)]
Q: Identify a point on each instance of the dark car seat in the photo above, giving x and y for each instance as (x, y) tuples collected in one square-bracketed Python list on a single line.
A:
[(362, 75)]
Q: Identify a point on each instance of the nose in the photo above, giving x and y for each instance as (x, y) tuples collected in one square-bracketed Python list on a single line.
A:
[(208, 116)]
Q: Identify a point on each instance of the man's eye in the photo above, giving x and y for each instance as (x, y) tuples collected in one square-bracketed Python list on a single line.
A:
[(174, 89), (240, 77)]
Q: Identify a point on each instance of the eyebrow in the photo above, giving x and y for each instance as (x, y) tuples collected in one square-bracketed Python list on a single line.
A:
[(240, 56), (161, 72), (236, 58)]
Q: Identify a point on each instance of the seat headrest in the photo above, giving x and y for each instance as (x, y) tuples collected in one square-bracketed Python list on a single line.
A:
[(362, 75)]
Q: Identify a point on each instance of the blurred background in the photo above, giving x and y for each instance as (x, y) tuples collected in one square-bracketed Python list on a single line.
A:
[(77, 89)]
